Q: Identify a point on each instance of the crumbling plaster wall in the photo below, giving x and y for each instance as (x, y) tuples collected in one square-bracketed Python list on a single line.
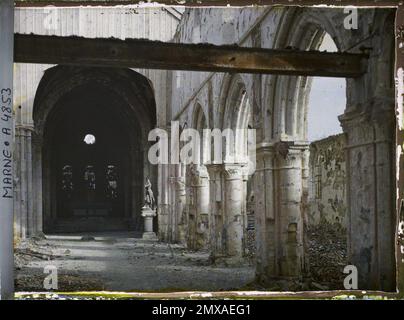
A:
[(327, 183)]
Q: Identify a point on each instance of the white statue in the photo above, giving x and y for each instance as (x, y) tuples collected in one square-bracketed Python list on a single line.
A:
[(149, 197)]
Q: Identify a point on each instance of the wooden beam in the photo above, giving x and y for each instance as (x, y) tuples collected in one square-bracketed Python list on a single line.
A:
[(190, 57), (211, 3)]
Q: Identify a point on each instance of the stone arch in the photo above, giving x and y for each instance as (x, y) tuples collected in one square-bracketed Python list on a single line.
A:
[(368, 130), (59, 80), (288, 96), (234, 120), (132, 104), (197, 181), (235, 113), (199, 122), (282, 157)]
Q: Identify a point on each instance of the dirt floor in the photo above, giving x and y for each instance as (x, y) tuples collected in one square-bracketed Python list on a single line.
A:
[(119, 263)]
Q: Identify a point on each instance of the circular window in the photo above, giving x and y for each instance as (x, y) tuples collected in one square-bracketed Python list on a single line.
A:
[(89, 139)]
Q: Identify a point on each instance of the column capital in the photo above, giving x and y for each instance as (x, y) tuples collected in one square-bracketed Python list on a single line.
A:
[(180, 183), (368, 127), (234, 171), (265, 148), (199, 174), (381, 114), (213, 170), (281, 148)]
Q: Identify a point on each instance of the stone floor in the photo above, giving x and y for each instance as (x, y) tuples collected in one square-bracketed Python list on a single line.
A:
[(119, 262)]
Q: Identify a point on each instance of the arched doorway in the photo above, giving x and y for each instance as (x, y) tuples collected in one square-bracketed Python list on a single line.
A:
[(91, 126), (89, 149)]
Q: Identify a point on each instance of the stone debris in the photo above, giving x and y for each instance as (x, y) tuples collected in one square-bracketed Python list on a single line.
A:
[(327, 254), (27, 251), (30, 279), (69, 283)]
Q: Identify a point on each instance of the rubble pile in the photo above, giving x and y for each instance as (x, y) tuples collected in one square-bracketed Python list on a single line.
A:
[(27, 251), (32, 279), (327, 254)]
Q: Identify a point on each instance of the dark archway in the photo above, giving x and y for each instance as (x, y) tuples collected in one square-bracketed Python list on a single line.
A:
[(91, 127)]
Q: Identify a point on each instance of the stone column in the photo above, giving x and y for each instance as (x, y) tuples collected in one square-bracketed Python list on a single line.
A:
[(233, 212), (172, 213), (278, 189), (244, 198), (265, 223), (177, 204), (371, 197), (19, 232), (289, 184), (199, 220), (6, 150), (215, 210), (163, 206), (37, 184), (180, 202), (24, 201), (305, 201)]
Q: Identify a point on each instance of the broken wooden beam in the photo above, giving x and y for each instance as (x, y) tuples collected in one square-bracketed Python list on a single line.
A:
[(148, 54)]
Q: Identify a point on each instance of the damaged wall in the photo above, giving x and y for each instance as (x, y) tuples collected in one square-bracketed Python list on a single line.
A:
[(279, 115), (327, 184), (276, 106)]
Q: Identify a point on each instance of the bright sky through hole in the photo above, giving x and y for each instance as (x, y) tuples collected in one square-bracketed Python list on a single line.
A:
[(327, 101)]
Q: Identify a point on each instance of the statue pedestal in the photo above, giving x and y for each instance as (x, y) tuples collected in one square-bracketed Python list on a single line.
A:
[(148, 214)]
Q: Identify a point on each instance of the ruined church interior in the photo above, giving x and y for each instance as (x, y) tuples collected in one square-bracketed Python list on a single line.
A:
[(304, 191)]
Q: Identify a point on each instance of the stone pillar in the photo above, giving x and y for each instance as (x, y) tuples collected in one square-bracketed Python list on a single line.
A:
[(177, 204), (37, 184), (278, 190), (164, 211), (23, 173), (305, 202), (163, 205), (6, 150), (290, 198), (265, 223), (215, 210), (199, 219), (233, 209), (18, 228), (172, 213), (371, 197), (180, 202), (244, 210)]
